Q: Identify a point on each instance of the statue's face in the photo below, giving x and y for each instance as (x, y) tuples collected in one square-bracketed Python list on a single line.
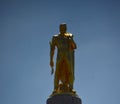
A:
[(62, 29)]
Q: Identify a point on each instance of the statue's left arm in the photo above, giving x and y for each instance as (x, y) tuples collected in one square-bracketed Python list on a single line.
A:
[(52, 48), (72, 43)]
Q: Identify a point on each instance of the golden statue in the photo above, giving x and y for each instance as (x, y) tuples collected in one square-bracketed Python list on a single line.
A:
[(64, 73)]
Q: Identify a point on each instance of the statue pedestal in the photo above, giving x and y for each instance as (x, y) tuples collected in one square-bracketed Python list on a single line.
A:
[(64, 99)]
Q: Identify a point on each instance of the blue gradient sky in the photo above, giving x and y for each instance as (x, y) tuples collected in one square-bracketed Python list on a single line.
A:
[(26, 27)]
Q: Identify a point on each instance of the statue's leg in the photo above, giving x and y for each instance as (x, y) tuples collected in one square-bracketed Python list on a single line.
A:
[(56, 81), (71, 82), (71, 79), (56, 78)]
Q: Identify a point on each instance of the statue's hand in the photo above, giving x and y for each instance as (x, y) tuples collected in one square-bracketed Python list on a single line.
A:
[(52, 65), (52, 71)]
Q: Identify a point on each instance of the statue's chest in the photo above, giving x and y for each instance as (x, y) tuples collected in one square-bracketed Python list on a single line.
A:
[(62, 44)]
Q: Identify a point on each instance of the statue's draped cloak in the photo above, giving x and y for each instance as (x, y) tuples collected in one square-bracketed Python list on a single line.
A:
[(65, 57)]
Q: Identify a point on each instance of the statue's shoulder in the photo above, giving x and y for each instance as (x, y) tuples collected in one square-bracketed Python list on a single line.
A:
[(55, 37), (67, 34)]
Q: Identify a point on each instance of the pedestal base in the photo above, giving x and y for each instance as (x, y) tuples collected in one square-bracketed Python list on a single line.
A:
[(64, 99)]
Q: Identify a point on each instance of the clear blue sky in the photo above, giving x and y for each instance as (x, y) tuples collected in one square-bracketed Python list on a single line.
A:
[(26, 27)]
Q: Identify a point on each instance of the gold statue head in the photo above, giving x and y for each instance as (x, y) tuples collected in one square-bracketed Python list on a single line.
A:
[(63, 28)]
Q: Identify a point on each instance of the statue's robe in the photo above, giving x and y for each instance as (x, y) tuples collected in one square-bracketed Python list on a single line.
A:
[(65, 58)]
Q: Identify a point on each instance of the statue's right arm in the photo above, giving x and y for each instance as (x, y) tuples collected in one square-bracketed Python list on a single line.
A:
[(52, 48)]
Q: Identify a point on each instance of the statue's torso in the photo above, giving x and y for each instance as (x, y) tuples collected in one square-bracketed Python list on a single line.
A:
[(63, 46)]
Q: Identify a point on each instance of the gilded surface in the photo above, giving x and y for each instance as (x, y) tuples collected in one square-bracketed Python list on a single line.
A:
[(64, 73)]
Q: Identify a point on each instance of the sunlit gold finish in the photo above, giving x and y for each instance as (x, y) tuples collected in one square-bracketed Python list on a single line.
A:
[(64, 73)]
